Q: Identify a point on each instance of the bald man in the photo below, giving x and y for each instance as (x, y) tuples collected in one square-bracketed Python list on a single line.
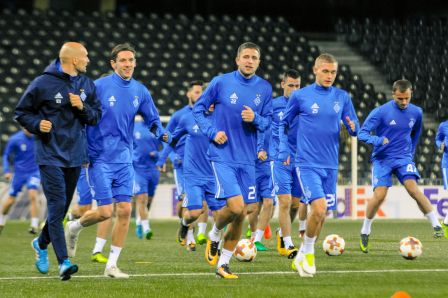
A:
[(56, 107)]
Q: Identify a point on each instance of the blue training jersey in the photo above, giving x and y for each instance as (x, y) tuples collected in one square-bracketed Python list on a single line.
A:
[(278, 111), (22, 147), (319, 112), (178, 154), (111, 140), (442, 137), (401, 127), (146, 148), (229, 93), (196, 162)]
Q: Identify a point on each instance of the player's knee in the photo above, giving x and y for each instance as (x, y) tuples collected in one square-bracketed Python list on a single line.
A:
[(105, 213), (268, 203), (237, 209), (124, 210), (194, 214)]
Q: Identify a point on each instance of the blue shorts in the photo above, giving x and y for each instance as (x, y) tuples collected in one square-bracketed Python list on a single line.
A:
[(445, 177), (32, 181), (146, 182), (318, 183), (180, 182), (403, 169), (198, 189), (85, 188), (285, 180), (235, 180), (112, 182), (265, 189)]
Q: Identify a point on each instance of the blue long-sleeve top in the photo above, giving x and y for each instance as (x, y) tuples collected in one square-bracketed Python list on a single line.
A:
[(177, 153), (21, 147), (319, 111), (196, 162), (263, 143), (278, 111), (229, 93), (111, 140), (47, 98), (402, 127), (442, 137), (146, 148)]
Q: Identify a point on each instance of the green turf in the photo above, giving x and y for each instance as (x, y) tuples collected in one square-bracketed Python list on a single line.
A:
[(163, 257)]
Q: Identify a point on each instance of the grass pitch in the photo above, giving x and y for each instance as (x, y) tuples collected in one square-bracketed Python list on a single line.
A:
[(161, 268)]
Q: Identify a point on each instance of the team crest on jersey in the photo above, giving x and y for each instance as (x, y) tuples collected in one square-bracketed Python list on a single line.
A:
[(233, 98), (135, 102), (23, 147), (257, 99), (280, 115), (82, 94), (58, 98), (112, 101), (315, 108), (195, 128), (336, 107), (138, 135), (411, 123)]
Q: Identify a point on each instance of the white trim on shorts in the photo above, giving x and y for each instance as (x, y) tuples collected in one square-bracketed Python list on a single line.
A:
[(300, 182), (218, 185)]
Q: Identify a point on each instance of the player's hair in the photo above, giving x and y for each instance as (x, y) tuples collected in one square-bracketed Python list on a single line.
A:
[(248, 45), (291, 73), (195, 83), (326, 58), (120, 48), (401, 85)]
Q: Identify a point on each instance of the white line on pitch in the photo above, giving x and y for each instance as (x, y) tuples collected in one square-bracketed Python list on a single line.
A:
[(241, 273)]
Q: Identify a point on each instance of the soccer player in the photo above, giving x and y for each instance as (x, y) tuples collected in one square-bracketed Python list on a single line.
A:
[(442, 144), (26, 171), (86, 194), (110, 151), (146, 153), (285, 179), (242, 102), (55, 107), (319, 109), (200, 186), (177, 152), (396, 127)]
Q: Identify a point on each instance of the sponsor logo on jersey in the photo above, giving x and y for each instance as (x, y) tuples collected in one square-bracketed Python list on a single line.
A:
[(195, 128), (315, 108), (393, 122), (280, 115), (58, 98), (233, 98), (112, 101)]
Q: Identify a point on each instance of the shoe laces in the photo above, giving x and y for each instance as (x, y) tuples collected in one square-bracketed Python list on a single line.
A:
[(214, 247)]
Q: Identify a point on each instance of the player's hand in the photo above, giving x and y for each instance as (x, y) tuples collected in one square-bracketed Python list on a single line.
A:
[(350, 123), (442, 147), (247, 114), (220, 138), (8, 176), (45, 126), (162, 169), (76, 101), (287, 161), (385, 141), (262, 155)]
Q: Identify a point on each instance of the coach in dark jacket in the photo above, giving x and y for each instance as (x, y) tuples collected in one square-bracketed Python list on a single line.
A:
[(56, 107)]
